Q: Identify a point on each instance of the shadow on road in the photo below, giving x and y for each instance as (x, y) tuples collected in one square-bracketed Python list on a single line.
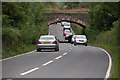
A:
[(47, 50), (64, 42)]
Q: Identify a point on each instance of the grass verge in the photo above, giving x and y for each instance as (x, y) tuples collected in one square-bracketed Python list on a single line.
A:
[(18, 50), (76, 29)]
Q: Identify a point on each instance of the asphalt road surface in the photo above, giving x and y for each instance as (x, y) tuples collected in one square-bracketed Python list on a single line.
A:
[(70, 62)]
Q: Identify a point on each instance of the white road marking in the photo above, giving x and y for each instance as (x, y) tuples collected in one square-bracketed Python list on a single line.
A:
[(17, 55), (110, 63), (64, 54), (69, 50), (22, 74), (47, 63), (34, 69), (58, 57)]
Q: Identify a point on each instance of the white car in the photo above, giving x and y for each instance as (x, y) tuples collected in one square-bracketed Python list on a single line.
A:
[(73, 39), (67, 33), (65, 23), (48, 42), (80, 39), (66, 27), (62, 23)]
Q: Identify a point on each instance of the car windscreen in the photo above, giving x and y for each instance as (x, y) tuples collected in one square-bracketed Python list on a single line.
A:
[(47, 38), (82, 37), (66, 24)]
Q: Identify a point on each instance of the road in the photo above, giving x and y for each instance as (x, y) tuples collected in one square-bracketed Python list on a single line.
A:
[(70, 62)]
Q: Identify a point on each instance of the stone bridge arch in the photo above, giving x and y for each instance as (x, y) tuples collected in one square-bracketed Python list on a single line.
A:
[(67, 19), (78, 18)]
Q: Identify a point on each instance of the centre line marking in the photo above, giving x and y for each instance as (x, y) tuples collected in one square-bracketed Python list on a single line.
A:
[(64, 54), (47, 63), (29, 71), (58, 57)]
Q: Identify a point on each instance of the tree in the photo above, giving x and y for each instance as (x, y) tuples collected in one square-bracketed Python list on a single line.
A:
[(102, 17)]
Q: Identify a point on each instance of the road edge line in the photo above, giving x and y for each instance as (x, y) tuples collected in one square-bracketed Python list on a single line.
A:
[(110, 63), (17, 55)]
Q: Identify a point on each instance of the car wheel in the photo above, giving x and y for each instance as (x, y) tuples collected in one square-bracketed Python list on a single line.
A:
[(57, 49), (69, 41), (38, 49), (65, 38), (75, 44), (85, 44)]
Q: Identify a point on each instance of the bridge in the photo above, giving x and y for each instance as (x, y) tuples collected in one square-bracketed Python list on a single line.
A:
[(78, 18)]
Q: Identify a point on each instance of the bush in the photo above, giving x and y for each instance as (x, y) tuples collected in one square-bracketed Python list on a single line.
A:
[(10, 37), (23, 23)]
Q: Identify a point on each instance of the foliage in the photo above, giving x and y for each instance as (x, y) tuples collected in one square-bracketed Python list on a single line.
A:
[(101, 18), (14, 12), (10, 37), (75, 5), (22, 24), (109, 37), (77, 29), (52, 4)]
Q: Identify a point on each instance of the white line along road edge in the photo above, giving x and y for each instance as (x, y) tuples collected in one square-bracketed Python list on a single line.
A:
[(18, 55), (110, 63), (34, 69)]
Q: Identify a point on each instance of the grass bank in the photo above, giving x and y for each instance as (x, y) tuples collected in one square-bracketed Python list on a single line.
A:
[(20, 28), (76, 28), (18, 50)]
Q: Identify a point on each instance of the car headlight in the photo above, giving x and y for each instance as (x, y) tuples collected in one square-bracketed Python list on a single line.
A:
[(85, 40)]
